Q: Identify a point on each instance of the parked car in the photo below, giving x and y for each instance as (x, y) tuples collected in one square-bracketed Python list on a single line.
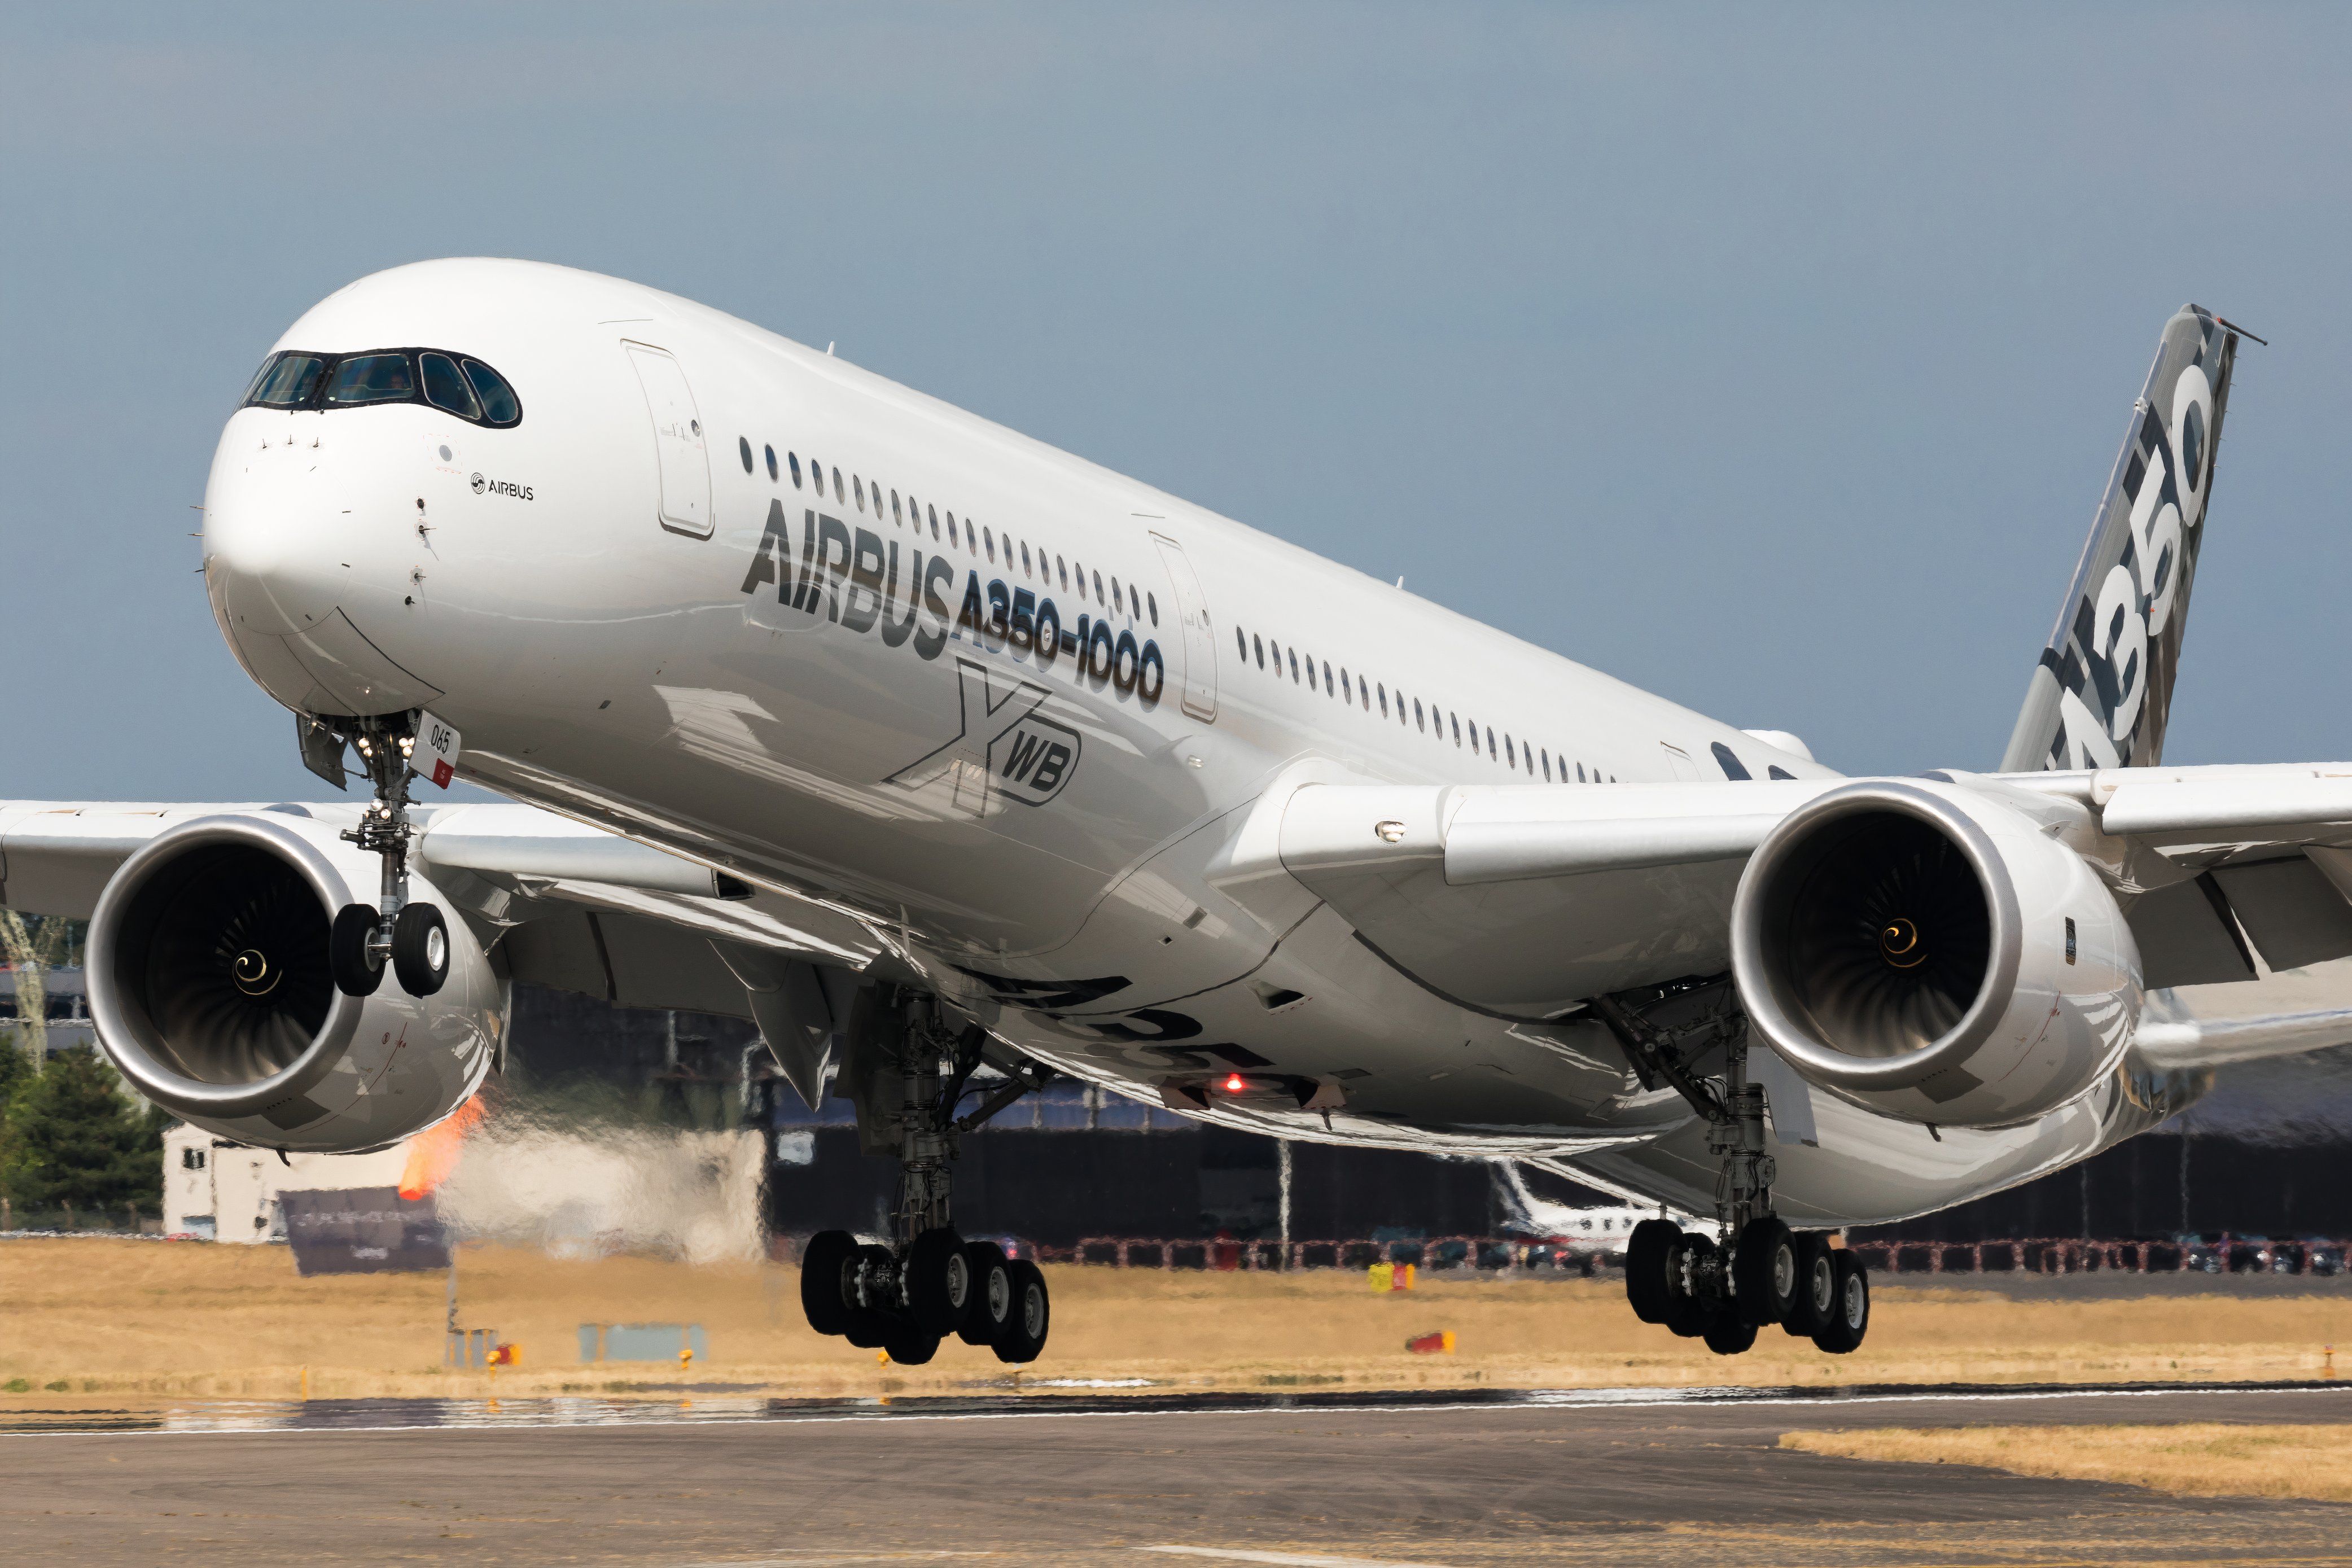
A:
[(2208, 1253), (2309, 1254)]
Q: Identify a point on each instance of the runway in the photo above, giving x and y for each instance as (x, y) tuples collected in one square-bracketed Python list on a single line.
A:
[(1437, 1478)]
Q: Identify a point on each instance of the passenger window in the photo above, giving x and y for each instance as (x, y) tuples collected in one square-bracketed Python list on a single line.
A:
[(1457, 728), (1133, 608), (1294, 667), (1241, 641), (371, 378), (1510, 758), (792, 462), (857, 488), (445, 388), (287, 381), (988, 535), (1382, 689), (1151, 603), (1063, 567), (1347, 692), (1024, 557), (499, 404), (742, 445), (1117, 601), (1099, 587), (1258, 643), (933, 513), (1328, 690), (772, 463), (837, 493), (895, 517), (1419, 725), (1546, 755), (1490, 741)]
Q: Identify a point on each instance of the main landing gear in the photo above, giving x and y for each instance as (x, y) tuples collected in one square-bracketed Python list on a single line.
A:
[(412, 939), (1754, 1271), (930, 1283)]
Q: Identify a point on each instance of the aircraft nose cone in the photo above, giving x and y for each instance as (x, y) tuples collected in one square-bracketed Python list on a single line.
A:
[(266, 531)]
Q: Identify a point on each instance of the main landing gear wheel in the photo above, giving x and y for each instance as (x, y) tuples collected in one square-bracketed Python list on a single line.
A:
[(939, 1283), (1024, 1335), (1688, 1312), (1727, 1336), (909, 1346), (356, 969), (1764, 1272), (420, 949), (823, 1261), (1816, 1286), (1649, 1257), (1850, 1315), (992, 1294)]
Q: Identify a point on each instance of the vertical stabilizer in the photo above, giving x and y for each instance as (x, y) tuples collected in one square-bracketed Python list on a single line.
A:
[(2101, 693)]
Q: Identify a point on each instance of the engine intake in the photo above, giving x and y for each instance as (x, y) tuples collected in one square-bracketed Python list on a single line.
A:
[(210, 986), (1930, 951)]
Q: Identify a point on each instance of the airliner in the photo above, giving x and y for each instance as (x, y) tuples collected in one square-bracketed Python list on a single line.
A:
[(959, 764)]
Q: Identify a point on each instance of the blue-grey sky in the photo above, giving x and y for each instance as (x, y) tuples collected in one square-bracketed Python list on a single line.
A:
[(1772, 358)]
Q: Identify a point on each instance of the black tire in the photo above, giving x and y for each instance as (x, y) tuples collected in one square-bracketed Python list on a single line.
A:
[(992, 1294), (1764, 1271), (939, 1283), (1816, 1286), (822, 1301), (420, 949), (1024, 1335), (1850, 1317), (1727, 1336), (1688, 1313), (909, 1346), (868, 1331), (347, 953), (872, 1289), (1649, 1254)]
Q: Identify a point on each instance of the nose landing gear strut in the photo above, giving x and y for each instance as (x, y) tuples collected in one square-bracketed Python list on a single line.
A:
[(412, 938), (1755, 1271), (929, 1283)]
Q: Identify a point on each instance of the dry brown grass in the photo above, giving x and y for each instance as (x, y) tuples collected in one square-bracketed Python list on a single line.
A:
[(2207, 1459), (123, 1317)]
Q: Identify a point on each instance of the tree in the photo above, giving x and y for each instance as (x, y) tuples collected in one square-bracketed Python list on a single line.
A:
[(72, 1137)]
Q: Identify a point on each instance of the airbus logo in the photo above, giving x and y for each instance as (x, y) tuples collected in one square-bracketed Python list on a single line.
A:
[(501, 487), (1005, 749)]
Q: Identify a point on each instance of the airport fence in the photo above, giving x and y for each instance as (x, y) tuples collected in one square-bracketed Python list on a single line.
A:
[(1498, 1254)]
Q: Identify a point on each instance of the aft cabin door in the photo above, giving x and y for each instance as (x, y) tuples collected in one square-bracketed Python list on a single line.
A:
[(677, 441), (1199, 645)]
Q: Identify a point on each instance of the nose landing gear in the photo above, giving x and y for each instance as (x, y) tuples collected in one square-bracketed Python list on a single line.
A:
[(932, 1283), (413, 940), (1756, 1271)]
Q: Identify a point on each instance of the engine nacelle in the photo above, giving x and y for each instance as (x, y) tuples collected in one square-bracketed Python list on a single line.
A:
[(1930, 951), (209, 984)]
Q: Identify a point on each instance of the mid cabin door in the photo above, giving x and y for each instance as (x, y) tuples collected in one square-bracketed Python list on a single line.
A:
[(1199, 644), (677, 441)]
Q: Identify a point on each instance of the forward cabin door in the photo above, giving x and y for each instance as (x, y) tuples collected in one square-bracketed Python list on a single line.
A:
[(677, 441), (1200, 643)]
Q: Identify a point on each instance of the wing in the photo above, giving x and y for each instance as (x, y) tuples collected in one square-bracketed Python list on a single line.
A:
[(559, 902), (1529, 901)]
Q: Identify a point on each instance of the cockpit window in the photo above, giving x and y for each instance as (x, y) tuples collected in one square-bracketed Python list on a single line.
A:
[(464, 387), (287, 380), (371, 378), (499, 404), (444, 388)]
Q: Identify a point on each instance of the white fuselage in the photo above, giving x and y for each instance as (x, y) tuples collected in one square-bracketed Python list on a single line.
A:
[(832, 685)]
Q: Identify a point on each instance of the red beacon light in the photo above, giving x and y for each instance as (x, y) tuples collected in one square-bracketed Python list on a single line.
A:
[(1233, 1083)]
